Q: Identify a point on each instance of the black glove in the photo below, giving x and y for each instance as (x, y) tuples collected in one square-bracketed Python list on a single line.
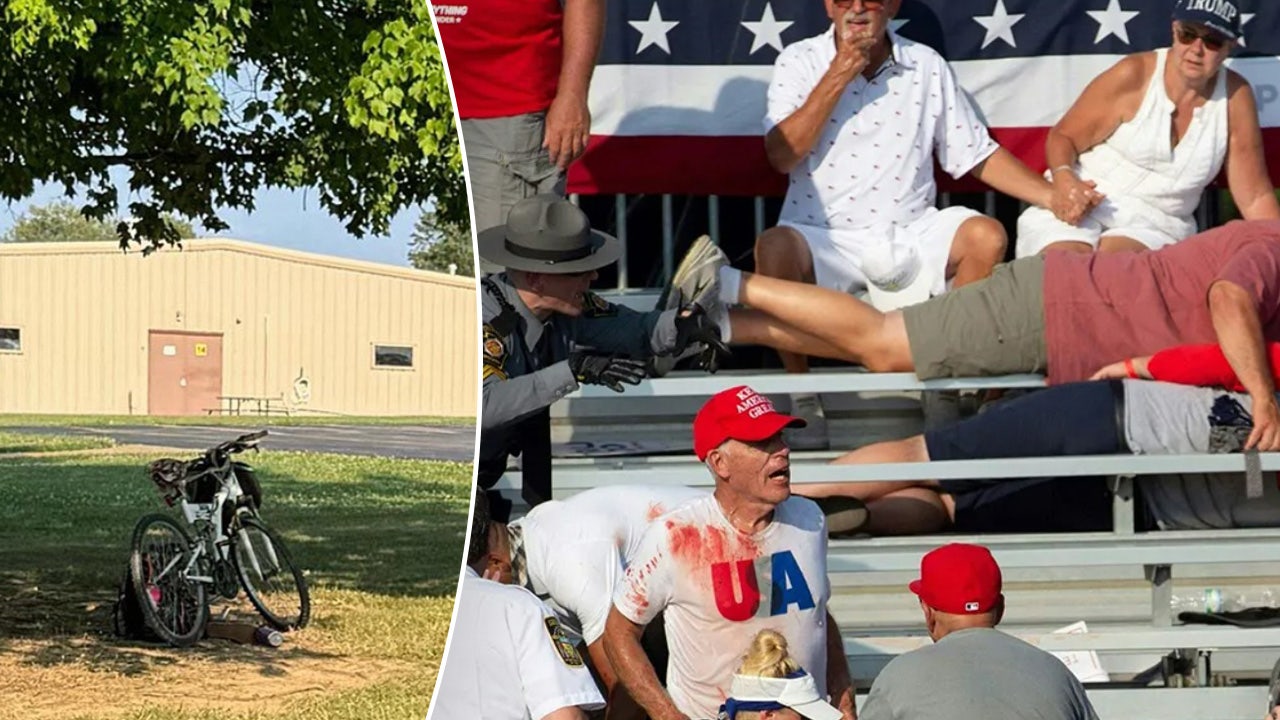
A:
[(693, 326), (591, 368)]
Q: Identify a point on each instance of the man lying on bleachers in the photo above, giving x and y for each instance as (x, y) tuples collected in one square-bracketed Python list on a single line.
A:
[(1065, 314), (1133, 414)]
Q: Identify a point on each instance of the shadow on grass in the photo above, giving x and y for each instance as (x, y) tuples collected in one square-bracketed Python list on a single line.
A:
[(135, 659), (373, 525)]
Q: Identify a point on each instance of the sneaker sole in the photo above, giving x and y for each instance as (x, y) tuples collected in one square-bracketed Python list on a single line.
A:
[(701, 253)]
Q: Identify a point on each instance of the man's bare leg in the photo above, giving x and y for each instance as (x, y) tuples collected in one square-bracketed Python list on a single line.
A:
[(1120, 243), (754, 327), (910, 449), (1068, 246), (979, 245), (899, 507), (782, 252), (862, 334), (913, 511)]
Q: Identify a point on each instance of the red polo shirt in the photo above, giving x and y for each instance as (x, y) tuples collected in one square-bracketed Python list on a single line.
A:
[(503, 55)]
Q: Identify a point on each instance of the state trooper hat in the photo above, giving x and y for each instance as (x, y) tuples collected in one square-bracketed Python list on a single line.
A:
[(548, 234)]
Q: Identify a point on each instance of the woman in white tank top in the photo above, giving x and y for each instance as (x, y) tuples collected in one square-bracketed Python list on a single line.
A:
[(1146, 138)]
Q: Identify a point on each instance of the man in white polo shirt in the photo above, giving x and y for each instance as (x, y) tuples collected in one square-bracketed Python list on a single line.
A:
[(508, 658), (856, 117), (747, 558)]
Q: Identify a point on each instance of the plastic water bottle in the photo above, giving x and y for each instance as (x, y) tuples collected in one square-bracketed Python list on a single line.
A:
[(267, 635), (1208, 600), (1214, 600)]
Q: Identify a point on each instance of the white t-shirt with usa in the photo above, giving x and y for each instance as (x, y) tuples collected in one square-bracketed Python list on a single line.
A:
[(719, 587)]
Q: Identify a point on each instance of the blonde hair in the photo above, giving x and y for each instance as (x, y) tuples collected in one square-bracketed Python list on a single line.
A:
[(768, 656)]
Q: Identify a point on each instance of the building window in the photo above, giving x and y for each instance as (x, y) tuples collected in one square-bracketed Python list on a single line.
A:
[(392, 356), (10, 339)]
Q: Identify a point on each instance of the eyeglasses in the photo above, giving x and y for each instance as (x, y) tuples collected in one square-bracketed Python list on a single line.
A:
[(873, 4), (1187, 35)]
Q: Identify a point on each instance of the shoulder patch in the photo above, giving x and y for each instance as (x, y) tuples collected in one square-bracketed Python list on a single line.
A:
[(564, 648), (594, 306), (495, 353)]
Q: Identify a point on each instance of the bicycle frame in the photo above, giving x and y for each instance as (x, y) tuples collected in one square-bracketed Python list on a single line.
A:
[(205, 521)]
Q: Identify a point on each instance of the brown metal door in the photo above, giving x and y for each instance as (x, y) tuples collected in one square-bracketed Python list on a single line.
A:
[(184, 375)]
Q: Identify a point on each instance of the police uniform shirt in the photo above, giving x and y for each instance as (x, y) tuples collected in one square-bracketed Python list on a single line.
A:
[(526, 366), (508, 658)]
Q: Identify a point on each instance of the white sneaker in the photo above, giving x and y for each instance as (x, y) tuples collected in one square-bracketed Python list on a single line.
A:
[(813, 436), (696, 280), (697, 276)]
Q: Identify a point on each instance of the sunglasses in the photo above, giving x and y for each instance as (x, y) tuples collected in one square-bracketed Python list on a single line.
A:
[(1188, 35)]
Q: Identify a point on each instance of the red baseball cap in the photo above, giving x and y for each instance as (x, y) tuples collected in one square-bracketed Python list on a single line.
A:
[(959, 579), (738, 413)]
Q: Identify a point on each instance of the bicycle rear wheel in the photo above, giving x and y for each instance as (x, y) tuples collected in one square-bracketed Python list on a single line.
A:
[(275, 586), (174, 607)]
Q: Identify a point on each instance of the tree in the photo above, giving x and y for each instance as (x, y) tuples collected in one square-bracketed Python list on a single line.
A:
[(203, 103), (438, 243), (63, 222)]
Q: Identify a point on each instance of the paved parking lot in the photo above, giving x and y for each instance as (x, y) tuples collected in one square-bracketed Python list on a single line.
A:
[(406, 441)]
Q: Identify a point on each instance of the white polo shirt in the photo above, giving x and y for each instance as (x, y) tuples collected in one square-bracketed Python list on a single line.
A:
[(718, 587), (508, 658), (873, 163), (577, 549)]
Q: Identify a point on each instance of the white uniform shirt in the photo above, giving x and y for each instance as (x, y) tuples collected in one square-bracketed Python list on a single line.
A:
[(873, 163), (577, 549), (720, 587), (508, 659)]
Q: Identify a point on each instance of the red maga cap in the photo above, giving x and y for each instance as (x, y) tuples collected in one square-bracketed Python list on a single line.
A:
[(738, 413), (959, 579)]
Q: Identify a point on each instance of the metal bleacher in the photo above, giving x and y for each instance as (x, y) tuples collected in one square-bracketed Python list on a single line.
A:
[(1120, 582)]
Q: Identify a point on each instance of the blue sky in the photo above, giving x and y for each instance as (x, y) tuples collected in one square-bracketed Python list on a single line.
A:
[(283, 218)]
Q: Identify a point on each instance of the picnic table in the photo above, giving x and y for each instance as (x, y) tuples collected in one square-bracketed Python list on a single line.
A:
[(239, 404)]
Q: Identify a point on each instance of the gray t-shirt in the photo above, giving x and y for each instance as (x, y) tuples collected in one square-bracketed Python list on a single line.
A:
[(977, 674), (1164, 418)]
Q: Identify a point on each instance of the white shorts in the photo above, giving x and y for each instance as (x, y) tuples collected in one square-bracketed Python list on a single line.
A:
[(1038, 228), (837, 253)]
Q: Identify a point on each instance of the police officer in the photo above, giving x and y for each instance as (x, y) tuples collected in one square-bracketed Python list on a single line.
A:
[(509, 659), (545, 334)]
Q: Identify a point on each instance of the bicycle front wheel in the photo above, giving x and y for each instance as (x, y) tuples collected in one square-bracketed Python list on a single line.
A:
[(174, 607), (275, 586)]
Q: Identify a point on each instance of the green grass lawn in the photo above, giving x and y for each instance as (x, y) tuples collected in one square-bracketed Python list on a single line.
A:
[(12, 420), (381, 540), (28, 443)]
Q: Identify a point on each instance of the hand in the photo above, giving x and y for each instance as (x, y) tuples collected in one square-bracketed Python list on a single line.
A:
[(568, 127), (609, 370), (1073, 198), (853, 50), (492, 574), (1274, 714), (693, 326), (1118, 369), (1266, 425)]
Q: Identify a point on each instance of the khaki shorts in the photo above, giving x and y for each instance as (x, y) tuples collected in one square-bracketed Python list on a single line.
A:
[(993, 327), (507, 163)]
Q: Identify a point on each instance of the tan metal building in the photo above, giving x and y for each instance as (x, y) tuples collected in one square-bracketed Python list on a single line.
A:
[(229, 326)]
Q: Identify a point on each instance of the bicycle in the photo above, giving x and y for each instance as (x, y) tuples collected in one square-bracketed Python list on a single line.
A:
[(228, 547)]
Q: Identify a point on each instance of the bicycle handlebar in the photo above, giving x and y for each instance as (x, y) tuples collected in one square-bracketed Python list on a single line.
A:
[(240, 444)]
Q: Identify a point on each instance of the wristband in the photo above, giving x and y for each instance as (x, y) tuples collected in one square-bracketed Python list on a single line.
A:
[(1063, 167), (1128, 367)]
